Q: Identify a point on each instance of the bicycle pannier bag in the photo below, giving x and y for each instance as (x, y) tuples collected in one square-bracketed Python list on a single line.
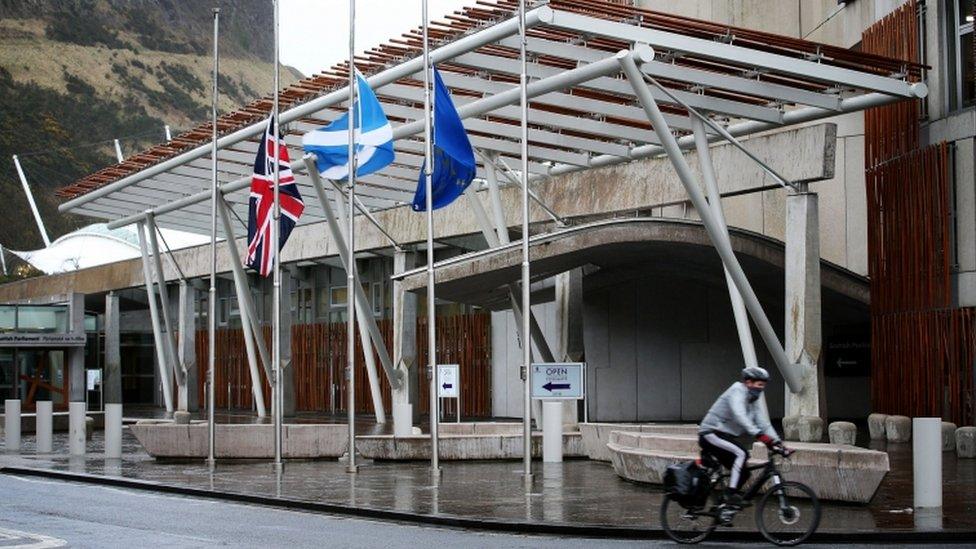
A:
[(687, 484)]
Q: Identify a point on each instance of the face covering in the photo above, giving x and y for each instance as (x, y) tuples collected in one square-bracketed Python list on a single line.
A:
[(754, 394)]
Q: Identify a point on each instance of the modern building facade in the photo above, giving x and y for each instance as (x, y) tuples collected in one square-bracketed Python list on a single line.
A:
[(637, 290)]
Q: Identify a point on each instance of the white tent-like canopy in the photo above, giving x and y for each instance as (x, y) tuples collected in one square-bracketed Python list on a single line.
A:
[(98, 245)]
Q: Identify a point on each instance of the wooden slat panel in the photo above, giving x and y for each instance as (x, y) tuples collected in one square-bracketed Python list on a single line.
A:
[(922, 349), (319, 360)]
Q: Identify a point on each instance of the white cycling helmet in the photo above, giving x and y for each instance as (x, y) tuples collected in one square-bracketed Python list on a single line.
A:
[(755, 373)]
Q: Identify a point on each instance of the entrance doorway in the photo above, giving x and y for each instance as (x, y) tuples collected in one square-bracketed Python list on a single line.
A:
[(42, 375)]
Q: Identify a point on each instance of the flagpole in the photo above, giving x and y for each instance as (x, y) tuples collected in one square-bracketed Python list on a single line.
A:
[(351, 262), (526, 289), (277, 391), (431, 316), (212, 295)]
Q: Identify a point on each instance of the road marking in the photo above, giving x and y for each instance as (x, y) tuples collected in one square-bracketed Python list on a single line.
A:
[(38, 541)]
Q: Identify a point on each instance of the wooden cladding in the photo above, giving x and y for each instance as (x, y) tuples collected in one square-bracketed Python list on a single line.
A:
[(893, 129), (908, 231), (319, 361), (922, 349), (928, 368)]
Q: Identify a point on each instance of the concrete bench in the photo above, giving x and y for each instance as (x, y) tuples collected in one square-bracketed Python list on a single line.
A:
[(472, 446), (835, 472), (165, 439), (597, 435)]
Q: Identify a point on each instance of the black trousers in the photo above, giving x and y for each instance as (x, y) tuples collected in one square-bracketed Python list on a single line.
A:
[(729, 453)]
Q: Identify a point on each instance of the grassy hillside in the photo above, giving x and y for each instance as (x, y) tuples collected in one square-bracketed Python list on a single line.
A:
[(74, 75)]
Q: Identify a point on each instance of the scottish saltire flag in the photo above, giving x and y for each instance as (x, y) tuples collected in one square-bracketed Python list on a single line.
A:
[(260, 249), (454, 165), (373, 138)]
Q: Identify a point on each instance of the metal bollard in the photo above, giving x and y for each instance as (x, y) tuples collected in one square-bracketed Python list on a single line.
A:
[(927, 461), (45, 427), (11, 415)]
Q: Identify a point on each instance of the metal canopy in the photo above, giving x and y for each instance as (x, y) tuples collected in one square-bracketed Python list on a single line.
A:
[(583, 112)]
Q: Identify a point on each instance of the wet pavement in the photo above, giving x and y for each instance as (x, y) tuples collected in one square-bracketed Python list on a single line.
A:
[(576, 492)]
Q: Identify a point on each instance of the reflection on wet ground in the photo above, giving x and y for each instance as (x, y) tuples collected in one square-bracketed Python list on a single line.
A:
[(577, 492)]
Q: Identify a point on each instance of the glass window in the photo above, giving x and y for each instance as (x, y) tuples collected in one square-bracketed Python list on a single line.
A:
[(961, 84), (8, 318), (337, 296), (322, 301), (42, 318)]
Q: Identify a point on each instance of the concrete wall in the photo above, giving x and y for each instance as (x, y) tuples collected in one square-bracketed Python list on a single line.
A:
[(661, 348), (506, 357)]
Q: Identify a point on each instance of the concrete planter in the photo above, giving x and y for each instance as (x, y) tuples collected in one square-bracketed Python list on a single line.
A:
[(301, 441), (597, 435), (835, 472), (455, 447)]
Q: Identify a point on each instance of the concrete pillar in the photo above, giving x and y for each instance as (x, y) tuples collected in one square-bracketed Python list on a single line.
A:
[(44, 427), (569, 323), (803, 321), (287, 371), (76, 377), (112, 383), (405, 411), (189, 399), (11, 424)]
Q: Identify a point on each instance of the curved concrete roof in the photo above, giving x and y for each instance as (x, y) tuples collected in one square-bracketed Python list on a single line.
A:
[(676, 246)]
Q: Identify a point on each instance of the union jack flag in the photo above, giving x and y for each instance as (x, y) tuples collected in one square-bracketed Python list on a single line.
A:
[(260, 249)]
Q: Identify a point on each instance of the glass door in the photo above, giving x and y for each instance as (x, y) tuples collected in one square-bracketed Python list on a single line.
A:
[(43, 376)]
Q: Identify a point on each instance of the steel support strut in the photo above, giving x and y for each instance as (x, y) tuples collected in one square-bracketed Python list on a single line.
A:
[(712, 226), (253, 338), (715, 204), (170, 338), (368, 330), (164, 375)]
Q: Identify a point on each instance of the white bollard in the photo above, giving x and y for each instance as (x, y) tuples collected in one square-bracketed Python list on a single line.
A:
[(76, 428), (113, 431), (927, 461), (552, 431), (11, 424), (44, 426)]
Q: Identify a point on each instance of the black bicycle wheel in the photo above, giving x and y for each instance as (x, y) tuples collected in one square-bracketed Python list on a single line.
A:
[(682, 525), (788, 513)]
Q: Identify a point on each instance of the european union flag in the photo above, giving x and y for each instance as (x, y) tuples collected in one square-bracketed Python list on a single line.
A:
[(454, 165)]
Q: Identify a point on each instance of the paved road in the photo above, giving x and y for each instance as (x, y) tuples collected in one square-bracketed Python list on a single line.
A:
[(40, 513)]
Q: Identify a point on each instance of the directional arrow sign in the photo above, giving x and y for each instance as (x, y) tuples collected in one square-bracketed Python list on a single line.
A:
[(557, 380), (448, 379)]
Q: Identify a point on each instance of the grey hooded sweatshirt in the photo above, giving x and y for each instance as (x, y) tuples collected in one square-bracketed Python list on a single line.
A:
[(734, 415)]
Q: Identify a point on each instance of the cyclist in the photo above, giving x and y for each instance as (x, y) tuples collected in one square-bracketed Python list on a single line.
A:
[(738, 411)]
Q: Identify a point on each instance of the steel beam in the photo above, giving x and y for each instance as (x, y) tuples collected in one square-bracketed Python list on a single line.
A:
[(161, 360), (712, 226), (488, 35), (253, 335)]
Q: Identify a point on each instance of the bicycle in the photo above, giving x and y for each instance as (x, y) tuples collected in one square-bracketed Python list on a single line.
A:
[(781, 508)]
